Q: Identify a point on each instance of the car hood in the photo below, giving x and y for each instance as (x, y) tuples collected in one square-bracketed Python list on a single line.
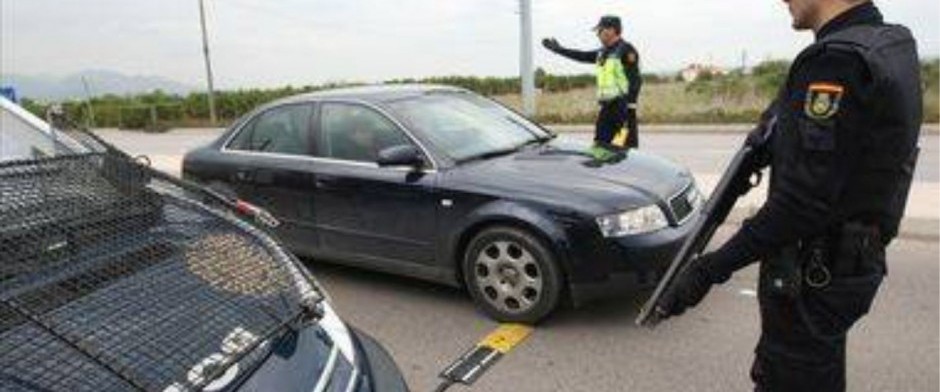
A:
[(562, 173)]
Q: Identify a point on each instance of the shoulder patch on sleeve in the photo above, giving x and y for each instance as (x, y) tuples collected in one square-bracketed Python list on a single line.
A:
[(822, 100), (631, 57)]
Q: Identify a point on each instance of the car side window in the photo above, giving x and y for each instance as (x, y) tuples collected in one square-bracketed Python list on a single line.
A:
[(282, 130), (355, 133)]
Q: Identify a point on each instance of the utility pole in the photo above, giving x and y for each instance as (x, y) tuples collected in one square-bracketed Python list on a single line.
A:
[(90, 120), (525, 57), (205, 52)]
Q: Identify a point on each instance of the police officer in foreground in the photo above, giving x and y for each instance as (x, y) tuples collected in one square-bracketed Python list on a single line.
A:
[(841, 154), (618, 84)]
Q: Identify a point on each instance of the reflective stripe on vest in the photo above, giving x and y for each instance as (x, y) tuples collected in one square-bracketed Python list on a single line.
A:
[(612, 79)]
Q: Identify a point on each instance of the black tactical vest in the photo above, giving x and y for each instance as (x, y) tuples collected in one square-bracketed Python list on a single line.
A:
[(877, 189)]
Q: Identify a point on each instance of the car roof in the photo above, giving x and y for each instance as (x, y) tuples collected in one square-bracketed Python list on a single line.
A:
[(369, 93)]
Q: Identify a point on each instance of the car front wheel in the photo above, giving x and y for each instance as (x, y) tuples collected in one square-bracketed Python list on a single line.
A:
[(511, 275)]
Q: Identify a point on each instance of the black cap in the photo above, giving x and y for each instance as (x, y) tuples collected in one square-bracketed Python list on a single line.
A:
[(608, 21)]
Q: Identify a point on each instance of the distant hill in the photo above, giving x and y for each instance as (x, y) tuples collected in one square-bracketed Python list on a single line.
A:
[(100, 82)]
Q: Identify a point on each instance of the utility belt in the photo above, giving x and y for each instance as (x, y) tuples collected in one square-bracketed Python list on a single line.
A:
[(620, 100), (852, 250)]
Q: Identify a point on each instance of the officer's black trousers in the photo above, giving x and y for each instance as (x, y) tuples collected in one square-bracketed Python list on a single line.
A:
[(802, 343), (633, 140), (610, 120)]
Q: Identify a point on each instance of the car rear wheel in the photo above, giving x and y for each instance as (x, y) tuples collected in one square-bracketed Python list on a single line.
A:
[(511, 275)]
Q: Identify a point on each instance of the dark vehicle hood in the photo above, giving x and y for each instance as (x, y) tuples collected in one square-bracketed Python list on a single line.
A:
[(561, 173), (98, 242)]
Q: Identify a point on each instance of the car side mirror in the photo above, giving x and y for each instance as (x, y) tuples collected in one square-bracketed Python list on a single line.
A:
[(400, 155)]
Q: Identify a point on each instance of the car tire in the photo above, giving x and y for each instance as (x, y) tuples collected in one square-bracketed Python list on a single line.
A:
[(512, 275)]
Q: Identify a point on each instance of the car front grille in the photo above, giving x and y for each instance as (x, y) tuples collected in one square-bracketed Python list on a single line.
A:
[(682, 204)]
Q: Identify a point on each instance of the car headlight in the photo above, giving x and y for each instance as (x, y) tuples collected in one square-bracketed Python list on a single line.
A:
[(641, 220)]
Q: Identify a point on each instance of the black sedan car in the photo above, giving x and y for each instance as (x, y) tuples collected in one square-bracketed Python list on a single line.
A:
[(442, 184)]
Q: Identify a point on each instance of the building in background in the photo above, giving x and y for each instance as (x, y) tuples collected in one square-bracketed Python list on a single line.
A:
[(694, 71)]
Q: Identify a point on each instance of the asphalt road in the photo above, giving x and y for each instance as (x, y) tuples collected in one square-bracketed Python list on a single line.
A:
[(597, 348)]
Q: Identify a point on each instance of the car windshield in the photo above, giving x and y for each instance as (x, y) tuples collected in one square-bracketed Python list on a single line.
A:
[(465, 126)]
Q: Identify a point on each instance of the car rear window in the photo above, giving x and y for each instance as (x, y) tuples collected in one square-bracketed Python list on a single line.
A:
[(282, 130), (355, 133)]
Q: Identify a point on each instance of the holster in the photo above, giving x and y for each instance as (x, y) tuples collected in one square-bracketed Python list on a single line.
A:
[(781, 273), (854, 259), (854, 249)]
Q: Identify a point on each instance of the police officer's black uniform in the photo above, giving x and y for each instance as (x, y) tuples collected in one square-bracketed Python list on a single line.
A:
[(616, 113), (842, 155)]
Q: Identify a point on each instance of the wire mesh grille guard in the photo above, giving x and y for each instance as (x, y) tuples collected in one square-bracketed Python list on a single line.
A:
[(113, 279)]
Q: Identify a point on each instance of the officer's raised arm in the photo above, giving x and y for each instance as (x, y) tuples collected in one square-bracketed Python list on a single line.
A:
[(583, 56)]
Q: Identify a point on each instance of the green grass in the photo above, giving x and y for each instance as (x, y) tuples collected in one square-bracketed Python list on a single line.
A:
[(932, 104), (659, 103), (673, 103)]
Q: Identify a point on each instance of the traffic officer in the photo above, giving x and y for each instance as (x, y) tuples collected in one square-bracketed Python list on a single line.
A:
[(842, 154), (618, 83)]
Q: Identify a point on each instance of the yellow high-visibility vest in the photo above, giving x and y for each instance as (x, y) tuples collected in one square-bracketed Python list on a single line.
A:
[(612, 79)]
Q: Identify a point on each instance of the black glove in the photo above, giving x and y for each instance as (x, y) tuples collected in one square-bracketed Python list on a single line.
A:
[(755, 138), (758, 140), (551, 44), (692, 284), (768, 119)]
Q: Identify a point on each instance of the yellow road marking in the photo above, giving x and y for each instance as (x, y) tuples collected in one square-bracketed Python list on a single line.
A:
[(505, 337)]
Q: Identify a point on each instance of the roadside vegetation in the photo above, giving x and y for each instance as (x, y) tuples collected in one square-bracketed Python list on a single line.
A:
[(930, 74), (735, 97), (732, 98)]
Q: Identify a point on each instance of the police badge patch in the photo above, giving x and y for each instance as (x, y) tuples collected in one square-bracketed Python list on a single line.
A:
[(822, 100), (631, 58)]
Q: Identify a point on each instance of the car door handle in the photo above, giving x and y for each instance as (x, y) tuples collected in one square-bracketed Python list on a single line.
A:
[(326, 182), (243, 175)]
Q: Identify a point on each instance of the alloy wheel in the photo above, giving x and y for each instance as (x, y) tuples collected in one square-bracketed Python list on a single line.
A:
[(508, 276)]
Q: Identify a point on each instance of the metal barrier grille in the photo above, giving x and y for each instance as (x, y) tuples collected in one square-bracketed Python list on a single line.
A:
[(114, 279)]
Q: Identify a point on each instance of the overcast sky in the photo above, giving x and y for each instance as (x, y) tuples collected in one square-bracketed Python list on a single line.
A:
[(257, 43)]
